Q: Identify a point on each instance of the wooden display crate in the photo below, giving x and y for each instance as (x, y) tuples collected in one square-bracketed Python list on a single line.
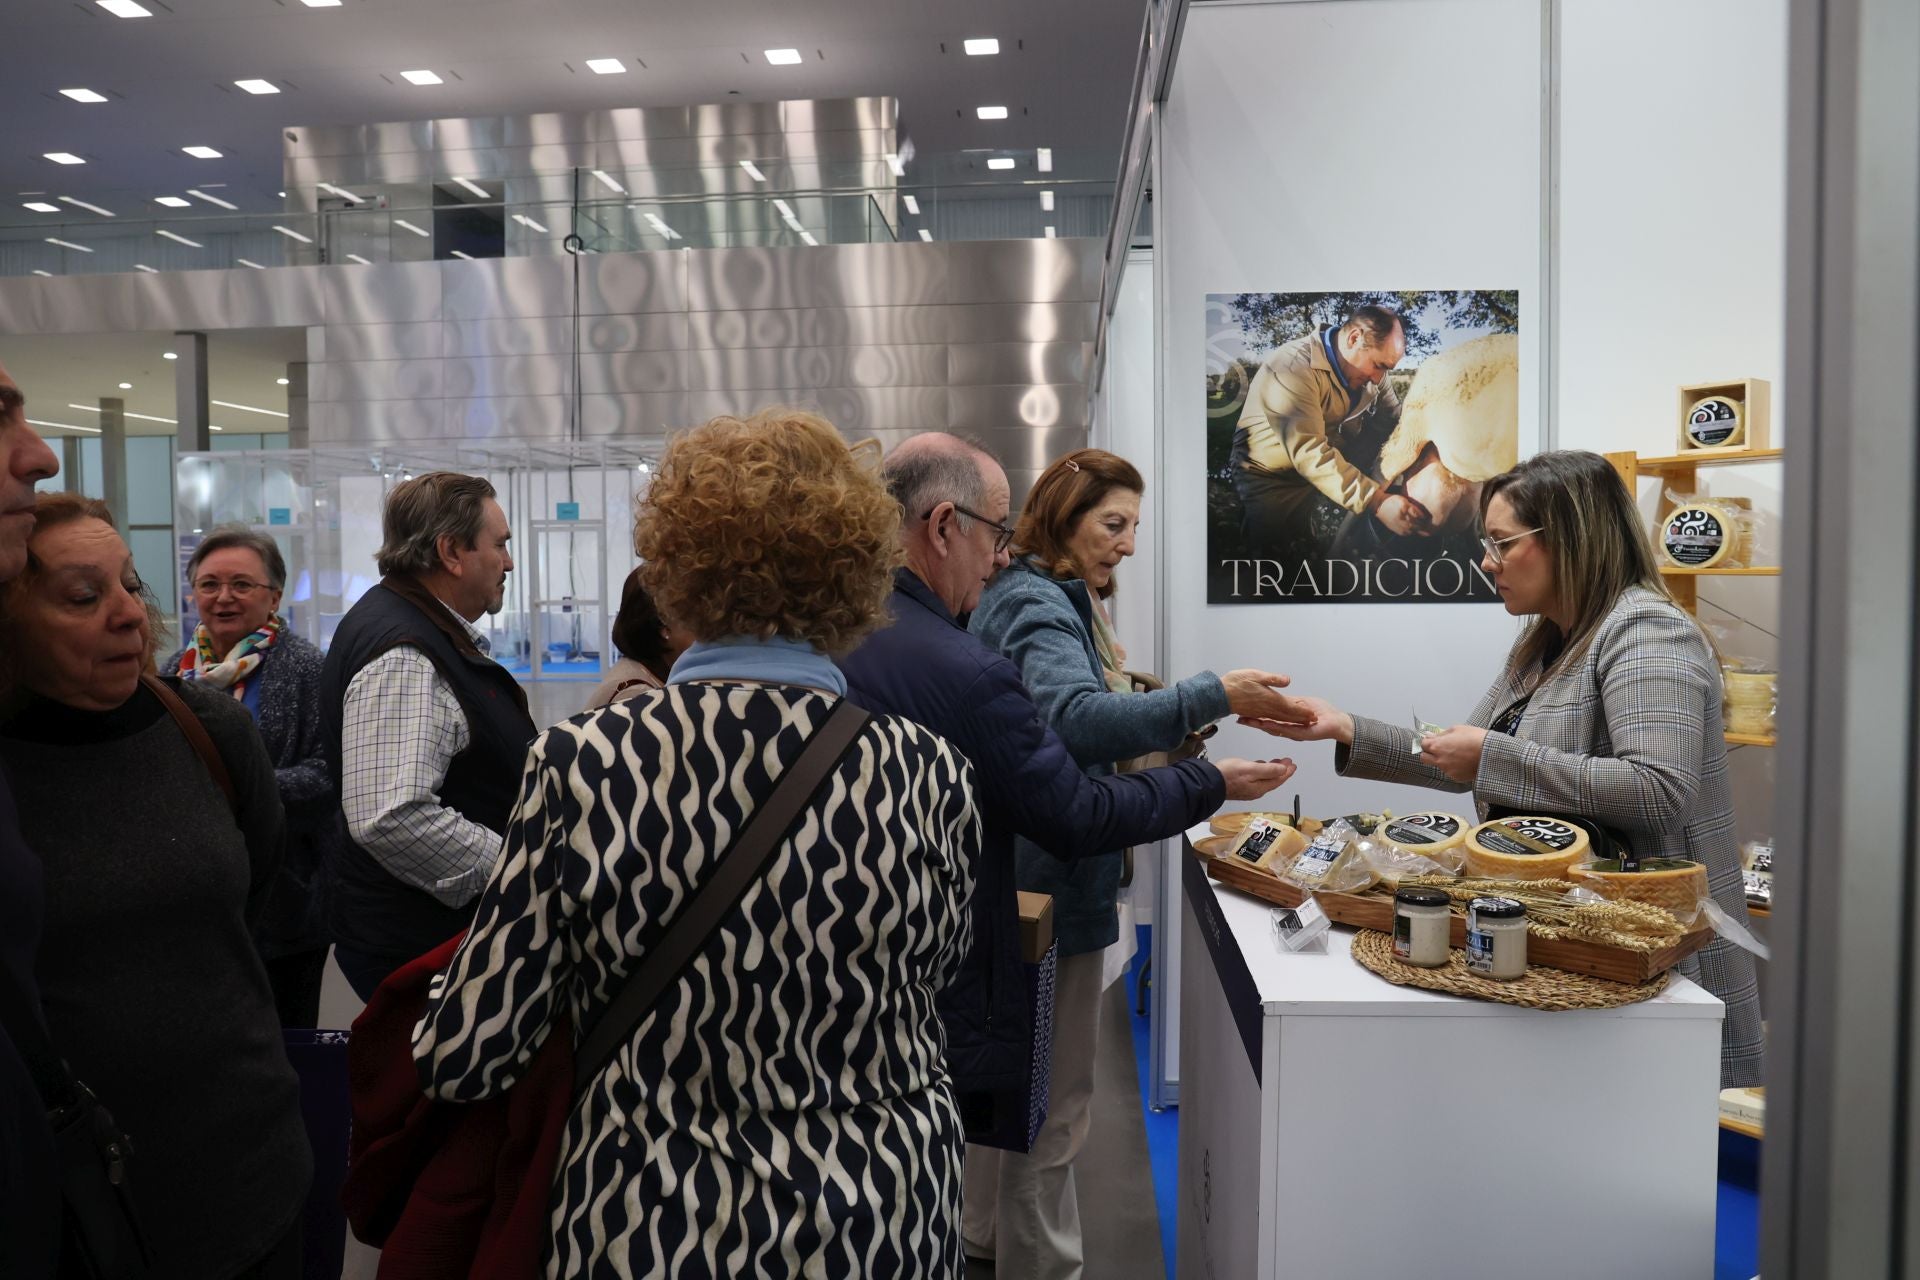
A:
[(1755, 398), (1364, 911)]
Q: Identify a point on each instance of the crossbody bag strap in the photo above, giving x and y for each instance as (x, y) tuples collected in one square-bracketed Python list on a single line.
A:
[(720, 892), (196, 734)]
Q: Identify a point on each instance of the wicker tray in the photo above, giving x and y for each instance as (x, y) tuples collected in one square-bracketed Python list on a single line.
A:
[(1616, 964), (1538, 988)]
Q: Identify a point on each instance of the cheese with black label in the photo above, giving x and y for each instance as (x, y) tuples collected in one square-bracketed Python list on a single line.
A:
[(1716, 422), (1705, 535), (1266, 844), (1525, 849), (1425, 833)]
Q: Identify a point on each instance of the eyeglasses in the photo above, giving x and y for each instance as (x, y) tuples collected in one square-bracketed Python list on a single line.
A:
[(1492, 547), (242, 588), (1002, 535)]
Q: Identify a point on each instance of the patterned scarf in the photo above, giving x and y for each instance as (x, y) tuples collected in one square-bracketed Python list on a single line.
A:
[(1112, 657), (200, 662)]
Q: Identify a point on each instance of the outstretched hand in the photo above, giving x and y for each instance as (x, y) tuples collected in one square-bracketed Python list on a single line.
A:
[(1255, 695), (1251, 779), (1312, 720)]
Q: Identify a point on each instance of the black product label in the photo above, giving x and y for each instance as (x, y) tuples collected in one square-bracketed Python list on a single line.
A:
[(1422, 828), (1260, 838), (1402, 935), (1694, 536), (1528, 838), (1712, 422), (1318, 858), (1479, 951)]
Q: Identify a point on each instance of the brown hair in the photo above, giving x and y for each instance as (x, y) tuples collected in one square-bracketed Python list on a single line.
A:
[(636, 628), (768, 526), (50, 511), (425, 509), (1061, 497)]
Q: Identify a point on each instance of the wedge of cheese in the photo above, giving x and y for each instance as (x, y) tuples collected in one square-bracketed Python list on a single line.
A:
[(1525, 848)]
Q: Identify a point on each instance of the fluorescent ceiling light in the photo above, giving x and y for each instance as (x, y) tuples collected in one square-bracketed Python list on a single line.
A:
[(249, 262), (1046, 201), (291, 234), (529, 223), (982, 48), (60, 426), (68, 244), (991, 113), (753, 171), (173, 202), (63, 157), (913, 205), (342, 192), (201, 195), (90, 208), (609, 181), (896, 164), (257, 86), (169, 355), (421, 77), (661, 226), (247, 408), (477, 190), (1000, 162), (1043, 159), (202, 153), (1050, 233), (783, 57), (786, 210), (83, 95), (321, 4), (606, 66), (925, 234), (37, 271), (143, 417), (806, 237), (354, 257), (191, 244), (404, 225), (467, 256), (141, 266), (126, 9), (41, 206)]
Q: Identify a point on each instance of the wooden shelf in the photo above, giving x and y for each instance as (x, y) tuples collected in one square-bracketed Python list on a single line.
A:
[(1705, 458), (1761, 913), (1675, 571), (1751, 740), (1741, 1126)]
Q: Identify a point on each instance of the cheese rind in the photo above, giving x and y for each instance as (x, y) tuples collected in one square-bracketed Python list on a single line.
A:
[(1525, 848), (1716, 422), (1675, 884), (1425, 833)]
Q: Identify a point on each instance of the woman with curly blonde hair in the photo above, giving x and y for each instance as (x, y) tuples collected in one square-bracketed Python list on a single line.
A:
[(783, 1108)]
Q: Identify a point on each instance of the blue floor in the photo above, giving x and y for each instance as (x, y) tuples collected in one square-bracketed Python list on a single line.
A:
[(1737, 1229)]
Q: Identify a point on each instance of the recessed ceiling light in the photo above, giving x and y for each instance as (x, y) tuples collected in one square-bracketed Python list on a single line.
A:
[(925, 234), (83, 95), (354, 257), (404, 225), (913, 205), (169, 355), (783, 57), (1046, 201), (202, 153), (173, 202), (1050, 234), (529, 223), (1000, 162), (198, 194), (257, 86), (249, 262), (128, 386), (280, 382), (991, 113), (178, 239), (476, 189), (606, 66), (420, 77), (68, 244), (1043, 159), (896, 164), (126, 9), (291, 234), (753, 171), (90, 208), (247, 408), (982, 48), (41, 206), (608, 181), (64, 157), (466, 256)]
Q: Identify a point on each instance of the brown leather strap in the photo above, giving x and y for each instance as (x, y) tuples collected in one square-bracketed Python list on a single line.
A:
[(196, 734)]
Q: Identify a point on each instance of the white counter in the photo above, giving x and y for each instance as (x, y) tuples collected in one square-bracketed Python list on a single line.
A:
[(1333, 1124)]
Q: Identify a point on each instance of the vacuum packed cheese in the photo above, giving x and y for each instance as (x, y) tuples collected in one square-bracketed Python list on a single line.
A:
[(1425, 833), (1266, 844), (1525, 849), (1232, 824), (1716, 422), (1675, 884), (1705, 535)]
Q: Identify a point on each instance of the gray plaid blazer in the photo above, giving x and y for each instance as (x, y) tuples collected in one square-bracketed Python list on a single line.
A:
[(1631, 738)]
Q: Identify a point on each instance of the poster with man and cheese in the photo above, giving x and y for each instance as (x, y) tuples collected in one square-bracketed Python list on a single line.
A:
[(1348, 435)]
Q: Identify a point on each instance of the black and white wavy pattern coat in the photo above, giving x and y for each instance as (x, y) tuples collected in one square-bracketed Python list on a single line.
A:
[(784, 1110)]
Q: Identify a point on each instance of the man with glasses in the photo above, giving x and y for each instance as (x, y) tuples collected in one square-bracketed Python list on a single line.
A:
[(957, 533)]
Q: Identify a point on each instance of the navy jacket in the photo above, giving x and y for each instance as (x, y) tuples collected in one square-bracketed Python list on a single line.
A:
[(928, 669)]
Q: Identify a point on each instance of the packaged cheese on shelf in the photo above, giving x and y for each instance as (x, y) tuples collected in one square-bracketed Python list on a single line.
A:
[(1525, 848), (1419, 844), (1707, 533), (1749, 698)]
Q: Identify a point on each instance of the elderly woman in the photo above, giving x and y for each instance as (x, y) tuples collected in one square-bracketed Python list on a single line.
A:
[(153, 990), (1607, 710), (243, 648), (648, 645), (783, 1108), (1046, 612)]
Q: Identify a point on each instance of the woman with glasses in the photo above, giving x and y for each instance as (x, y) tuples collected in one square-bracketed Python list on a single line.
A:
[(1607, 711), (242, 648)]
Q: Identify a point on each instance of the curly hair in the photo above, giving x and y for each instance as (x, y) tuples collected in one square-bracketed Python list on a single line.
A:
[(1061, 498), (769, 526)]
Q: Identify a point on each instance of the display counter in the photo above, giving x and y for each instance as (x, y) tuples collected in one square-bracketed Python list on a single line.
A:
[(1334, 1125)]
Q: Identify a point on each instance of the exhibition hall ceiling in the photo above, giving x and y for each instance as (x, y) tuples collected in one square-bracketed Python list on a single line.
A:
[(60, 371), (167, 81)]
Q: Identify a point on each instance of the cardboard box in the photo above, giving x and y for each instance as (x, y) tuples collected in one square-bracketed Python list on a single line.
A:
[(1036, 926)]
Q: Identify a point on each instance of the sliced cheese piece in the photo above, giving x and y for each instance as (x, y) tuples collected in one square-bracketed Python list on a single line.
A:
[(1267, 845), (1716, 422), (1525, 848), (1674, 884), (1704, 535)]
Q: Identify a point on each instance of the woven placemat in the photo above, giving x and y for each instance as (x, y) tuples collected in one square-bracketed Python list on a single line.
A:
[(1540, 988)]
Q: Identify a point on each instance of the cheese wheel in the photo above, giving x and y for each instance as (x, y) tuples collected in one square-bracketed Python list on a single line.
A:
[(1425, 833), (1232, 824), (1675, 884), (1525, 849), (1716, 422), (1749, 701), (1705, 535)]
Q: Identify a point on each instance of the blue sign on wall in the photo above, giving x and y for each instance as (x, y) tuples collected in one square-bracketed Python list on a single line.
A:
[(279, 515), (566, 511)]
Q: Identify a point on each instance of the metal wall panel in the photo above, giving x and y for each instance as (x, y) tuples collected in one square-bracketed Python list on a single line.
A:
[(376, 380), (1065, 321), (818, 327), (857, 411), (1002, 408), (419, 340), (1024, 270), (868, 366), (390, 292), (841, 275), (1024, 363)]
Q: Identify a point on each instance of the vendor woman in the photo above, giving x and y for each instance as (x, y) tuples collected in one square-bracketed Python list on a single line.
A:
[(1608, 710)]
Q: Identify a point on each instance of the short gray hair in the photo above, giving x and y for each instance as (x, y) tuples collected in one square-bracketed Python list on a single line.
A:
[(922, 479), (238, 537), (425, 509)]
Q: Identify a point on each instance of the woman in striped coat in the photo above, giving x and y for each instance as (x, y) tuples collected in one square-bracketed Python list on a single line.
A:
[(783, 1110)]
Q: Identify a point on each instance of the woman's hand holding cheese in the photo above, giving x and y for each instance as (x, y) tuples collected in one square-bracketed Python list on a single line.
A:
[(1455, 752)]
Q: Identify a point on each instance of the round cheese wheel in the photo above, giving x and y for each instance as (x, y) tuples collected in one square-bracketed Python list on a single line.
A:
[(1716, 422), (1425, 833), (1525, 849), (1232, 824), (1675, 884), (1704, 535)]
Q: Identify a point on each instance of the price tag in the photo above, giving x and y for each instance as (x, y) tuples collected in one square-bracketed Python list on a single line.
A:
[(1301, 928)]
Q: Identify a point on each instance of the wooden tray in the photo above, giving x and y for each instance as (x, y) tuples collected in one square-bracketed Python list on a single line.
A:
[(1371, 912)]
